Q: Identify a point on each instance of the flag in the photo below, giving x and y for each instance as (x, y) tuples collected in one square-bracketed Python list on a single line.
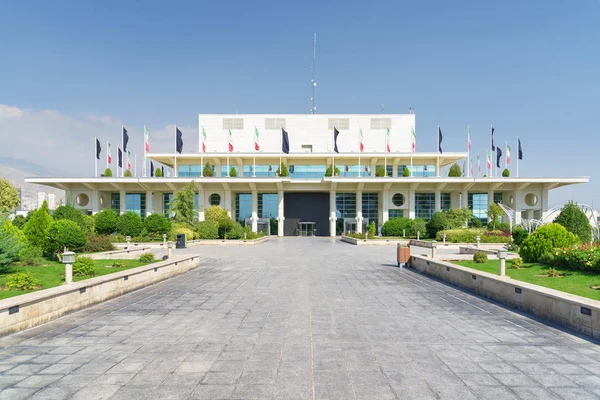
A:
[(489, 160), (469, 137), (151, 169), (387, 140), (125, 139), (230, 141), (414, 139), (493, 147), (471, 166), (335, 136), (498, 156), (507, 154), (347, 168), (361, 138), (256, 134), (366, 169), (147, 140), (440, 139), (179, 140), (120, 165), (270, 168), (162, 170), (464, 168), (520, 155), (98, 149), (203, 140), (128, 160), (285, 142), (108, 155), (478, 163)]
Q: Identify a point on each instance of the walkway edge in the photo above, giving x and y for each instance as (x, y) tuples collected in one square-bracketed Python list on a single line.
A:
[(28, 310)]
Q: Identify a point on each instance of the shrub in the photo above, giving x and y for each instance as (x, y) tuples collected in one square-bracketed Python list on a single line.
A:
[(108, 172), (9, 196), (406, 172), (207, 170), (31, 256), (70, 213), (22, 281), (235, 232), (547, 258), (232, 172), (455, 171), (66, 234), (480, 257), (328, 171), (284, 170), (545, 239), (575, 221), (418, 225), (83, 266), (127, 173), (519, 235), (251, 235), (130, 224), (90, 226), (458, 217), (105, 222), (157, 224), (380, 171), (470, 236), (158, 172), (357, 235), (36, 229), (219, 215), (19, 221), (147, 258), (506, 173), (12, 242), (274, 226), (516, 262), (97, 243), (371, 229), (582, 257), (437, 222), (477, 223), (207, 230), (179, 228), (117, 264), (394, 227), (183, 205), (494, 212)]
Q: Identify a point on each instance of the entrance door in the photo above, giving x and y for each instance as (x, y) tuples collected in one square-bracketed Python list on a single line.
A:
[(306, 207)]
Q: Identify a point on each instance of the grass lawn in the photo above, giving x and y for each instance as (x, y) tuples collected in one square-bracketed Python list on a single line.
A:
[(574, 282), (52, 274)]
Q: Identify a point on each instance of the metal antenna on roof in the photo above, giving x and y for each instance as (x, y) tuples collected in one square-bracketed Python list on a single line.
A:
[(312, 81)]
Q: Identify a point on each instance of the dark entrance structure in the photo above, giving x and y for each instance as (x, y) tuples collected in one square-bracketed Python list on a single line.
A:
[(306, 207)]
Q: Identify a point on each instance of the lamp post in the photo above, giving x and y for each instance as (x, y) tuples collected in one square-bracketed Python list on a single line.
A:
[(478, 238), (170, 250), (444, 238), (128, 240), (502, 258), (68, 258), (164, 238), (433, 248)]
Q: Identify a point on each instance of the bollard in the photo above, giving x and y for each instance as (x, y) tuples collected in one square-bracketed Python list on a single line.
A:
[(164, 238), (128, 240), (478, 239), (68, 258), (418, 235), (170, 250), (398, 254), (433, 248), (444, 238), (502, 258), (403, 232)]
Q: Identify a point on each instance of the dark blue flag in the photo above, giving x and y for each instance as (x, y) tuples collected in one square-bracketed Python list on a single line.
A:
[(120, 158), (98, 149), (520, 151), (335, 136), (125, 140), (440, 140), (179, 141), (151, 169), (162, 171), (285, 142), (498, 156), (493, 147)]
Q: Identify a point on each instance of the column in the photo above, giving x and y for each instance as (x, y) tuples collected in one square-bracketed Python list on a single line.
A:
[(175, 172), (332, 217), (148, 203), (254, 211), (395, 168), (201, 205), (359, 217), (373, 166), (122, 200), (544, 204), (240, 168), (386, 206), (455, 200), (158, 203), (490, 197), (438, 200), (227, 203), (411, 204), (437, 166), (518, 206), (530, 214), (465, 199), (218, 168), (280, 217), (95, 202)]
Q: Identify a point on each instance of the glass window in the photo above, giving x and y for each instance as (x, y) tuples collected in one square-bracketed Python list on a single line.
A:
[(262, 171), (307, 171), (189, 171), (424, 205), (225, 171), (115, 202), (395, 214), (423, 171), (345, 205), (214, 199), (243, 206), (370, 207), (136, 202), (167, 198), (478, 203), (398, 199), (389, 168), (401, 169), (268, 205), (351, 171), (497, 198), (446, 201)]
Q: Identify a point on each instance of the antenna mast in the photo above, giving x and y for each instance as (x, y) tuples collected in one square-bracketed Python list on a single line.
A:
[(313, 83)]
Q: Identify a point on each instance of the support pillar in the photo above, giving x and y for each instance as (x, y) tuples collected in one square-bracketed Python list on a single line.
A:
[(148, 203), (332, 217), (227, 202), (438, 201), (373, 166), (437, 166), (490, 197), (465, 199), (122, 201), (218, 168), (359, 217), (386, 206), (544, 203), (395, 168), (254, 211), (158, 203), (95, 202), (518, 206), (455, 200), (280, 217), (201, 205), (411, 204)]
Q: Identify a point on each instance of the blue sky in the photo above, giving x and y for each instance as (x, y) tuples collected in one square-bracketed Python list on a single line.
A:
[(529, 68)]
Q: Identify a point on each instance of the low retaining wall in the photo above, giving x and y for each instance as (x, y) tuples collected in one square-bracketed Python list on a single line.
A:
[(575, 312), (28, 310), (482, 246), (132, 253), (154, 245), (473, 250), (229, 242), (373, 242)]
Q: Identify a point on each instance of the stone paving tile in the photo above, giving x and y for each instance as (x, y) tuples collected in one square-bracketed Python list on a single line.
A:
[(298, 319)]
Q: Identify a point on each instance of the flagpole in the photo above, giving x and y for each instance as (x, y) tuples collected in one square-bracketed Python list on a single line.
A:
[(135, 164), (333, 154), (107, 150), (228, 143), (469, 149), (491, 150), (96, 155), (124, 155), (175, 156), (359, 152), (518, 147), (254, 161), (506, 152), (385, 154), (144, 144)]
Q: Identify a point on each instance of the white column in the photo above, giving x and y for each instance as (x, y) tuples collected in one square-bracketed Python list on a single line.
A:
[(122, 200), (227, 202), (544, 203), (386, 207), (158, 205), (240, 169), (332, 217), (490, 197), (359, 217), (148, 202), (455, 200), (518, 206), (280, 217), (530, 213), (254, 211), (437, 166), (411, 204), (95, 202), (395, 168), (201, 195), (218, 168), (373, 166), (438, 200), (465, 199)]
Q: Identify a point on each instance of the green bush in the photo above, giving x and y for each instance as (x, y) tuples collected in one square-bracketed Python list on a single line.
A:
[(235, 232), (357, 235), (127, 173), (83, 266), (19, 221), (480, 257), (371, 229), (470, 236), (418, 225), (22, 281), (458, 217), (117, 264), (251, 235), (516, 262), (31, 256), (90, 226), (547, 258), (455, 171), (575, 221), (70, 213), (545, 239), (207, 170), (130, 224), (476, 223), (219, 215), (207, 230), (328, 171), (380, 171), (108, 172), (437, 222), (519, 235), (506, 173), (68, 234), (157, 224), (406, 172), (97, 243), (105, 222), (158, 173), (12, 241), (274, 226), (394, 227), (147, 258), (37, 227), (232, 172), (284, 170), (178, 228)]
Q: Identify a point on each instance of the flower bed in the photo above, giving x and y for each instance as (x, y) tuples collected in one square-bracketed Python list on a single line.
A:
[(470, 236), (583, 257)]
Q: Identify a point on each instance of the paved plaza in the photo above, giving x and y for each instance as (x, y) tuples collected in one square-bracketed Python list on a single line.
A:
[(298, 318)]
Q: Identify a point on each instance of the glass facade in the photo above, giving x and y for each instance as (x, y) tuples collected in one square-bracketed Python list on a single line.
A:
[(189, 171), (395, 214), (389, 168), (225, 171), (351, 171), (262, 171), (307, 171), (370, 207), (166, 201), (243, 206), (445, 201), (267, 205), (136, 202), (115, 202), (478, 204), (345, 205), (423, 171), (424, 205)]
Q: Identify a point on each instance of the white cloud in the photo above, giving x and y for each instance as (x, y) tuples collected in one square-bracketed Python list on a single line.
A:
[(7, 112)]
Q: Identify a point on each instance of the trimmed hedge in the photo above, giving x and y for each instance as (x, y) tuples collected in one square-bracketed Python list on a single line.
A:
[(130, 224), (545, 239), (105, 222), (470, 236), (394, 227), (207, 230)]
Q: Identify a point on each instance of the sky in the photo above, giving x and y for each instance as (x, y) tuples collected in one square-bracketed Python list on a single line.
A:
[(70, 71)]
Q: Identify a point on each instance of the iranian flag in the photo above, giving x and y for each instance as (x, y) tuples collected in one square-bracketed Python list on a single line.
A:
[(361, 144), (256, 134), (146, 140), (108, 155), (387, 140), (478, 165), (203, 140), (230, 141), (469, 139), (414, 140), (129, 160), (489, 161), (507, 154)]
